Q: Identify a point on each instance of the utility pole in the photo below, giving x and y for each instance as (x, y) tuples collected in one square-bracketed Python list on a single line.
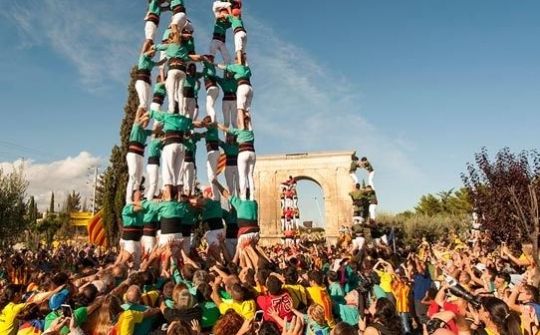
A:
[(319, 209), (95, 191)]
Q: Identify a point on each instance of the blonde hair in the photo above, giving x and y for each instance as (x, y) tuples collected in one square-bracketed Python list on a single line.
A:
[(182, 298), (316, 313)]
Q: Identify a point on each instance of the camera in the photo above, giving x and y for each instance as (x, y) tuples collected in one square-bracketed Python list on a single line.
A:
[(459, 291)]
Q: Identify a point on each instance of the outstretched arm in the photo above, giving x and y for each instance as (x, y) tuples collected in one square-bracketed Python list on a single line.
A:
[(224, 192)]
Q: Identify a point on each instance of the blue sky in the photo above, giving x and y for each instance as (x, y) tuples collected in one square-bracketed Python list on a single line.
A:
[(418, 86)]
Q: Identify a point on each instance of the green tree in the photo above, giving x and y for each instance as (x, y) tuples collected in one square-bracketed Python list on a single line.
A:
[(13, 207), (73, 202), (112, 184), (51, 204), (445, 202), (32, 211)]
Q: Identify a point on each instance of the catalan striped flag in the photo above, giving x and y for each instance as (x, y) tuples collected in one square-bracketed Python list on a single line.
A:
[(96, 232), (222, 161)]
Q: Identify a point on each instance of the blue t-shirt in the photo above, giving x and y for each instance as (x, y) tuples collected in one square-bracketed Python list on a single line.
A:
[(422, 283)]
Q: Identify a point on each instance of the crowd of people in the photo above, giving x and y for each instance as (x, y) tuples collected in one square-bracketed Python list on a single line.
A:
[(441, 287)]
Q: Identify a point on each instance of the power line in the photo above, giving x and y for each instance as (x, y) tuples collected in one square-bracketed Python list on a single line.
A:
[(22, 148)]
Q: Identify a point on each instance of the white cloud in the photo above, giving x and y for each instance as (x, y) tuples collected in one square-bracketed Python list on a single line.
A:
[(87, 34), (60, 177)]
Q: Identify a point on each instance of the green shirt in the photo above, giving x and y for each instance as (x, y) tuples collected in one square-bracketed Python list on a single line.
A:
[(212, 134), (150, 211), (191, 81), (212, 210), (190, 45), (191, 142), (242, 136), (170, 209), (145, 327), (210, 314), (240, 71), (357, 196), (166, 34), (146, 63), (154, 147), (221, 26), (235, 21), (227, 85), (159, 88), (209, 71), (80, 314), (172, 122), (372, 197), (349, 314), (139, 134), (313, 328), (353, 167), (191, 216), (229, 149), (153, 7), (173, 50), (175, 3), (245, 209), (367, 165), (131, 218)]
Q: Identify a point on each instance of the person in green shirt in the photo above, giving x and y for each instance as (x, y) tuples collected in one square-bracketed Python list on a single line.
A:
[(230, 148), (373, 202), (171, 214), (150, 225), (364, 163), (189, 167), (154, 155), (212, 151), (240, 34), (246, 154), (190, 89), (152, 18), (159, 94), (132, 230), (177, 54), (352, 169), (212, 216), (231, 230), (242, 75), (135, 155), (143, 84), (210, 83), (218, 37), (228, 104), (357, 195)]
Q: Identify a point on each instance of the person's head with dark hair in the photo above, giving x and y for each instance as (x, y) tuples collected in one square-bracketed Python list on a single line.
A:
[(60, 279), (237, 292), (315, 278), (188, 271), (528, 294), (268, 328), (357, 186), (363, 159), (498, 317), (384, 313), (502, 279), (10, 293), (291, 276), (204, 291), (87, 296), (343, 328), (332, 276), (230, 323), (274, 285), (262, 275)]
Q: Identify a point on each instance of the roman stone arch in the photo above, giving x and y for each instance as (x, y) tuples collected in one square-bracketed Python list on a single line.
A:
[(330, 170)]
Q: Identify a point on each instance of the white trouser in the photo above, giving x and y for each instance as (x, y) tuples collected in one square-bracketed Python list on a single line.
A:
[(174, 84), (172, 158), (358, 242), (247, 239), (240, 41), (152, 171), (229, 113), (134, 249), (149, 30), (189, 177), (212, 94), (162, 56), (195, 111), (288, 203), (283, 226), (165, 239), (213, 236), (155, 106), (217, 6), (148, 243), (370, 179), (135, 165), (354, 177), (217, 45), (189, 106), (231, 177), (372, 213), (244, 95), (144, 91), (180, 20), (246, 166), (295, 202), (211, 169)]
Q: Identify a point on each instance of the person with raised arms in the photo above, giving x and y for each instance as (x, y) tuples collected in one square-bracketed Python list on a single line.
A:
[(219, 36), (177, 53), (242, 75)]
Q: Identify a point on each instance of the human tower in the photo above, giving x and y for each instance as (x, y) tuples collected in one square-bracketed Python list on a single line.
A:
[(168, 114)]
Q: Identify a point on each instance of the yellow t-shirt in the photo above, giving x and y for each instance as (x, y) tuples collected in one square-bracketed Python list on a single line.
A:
[(298, 294), (127, 321), (386, 281), (8, 318), (245, 308), (319, 295)]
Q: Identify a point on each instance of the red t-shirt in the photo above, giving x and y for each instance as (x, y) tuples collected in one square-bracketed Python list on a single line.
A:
[(447, 306), (283, 304)]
